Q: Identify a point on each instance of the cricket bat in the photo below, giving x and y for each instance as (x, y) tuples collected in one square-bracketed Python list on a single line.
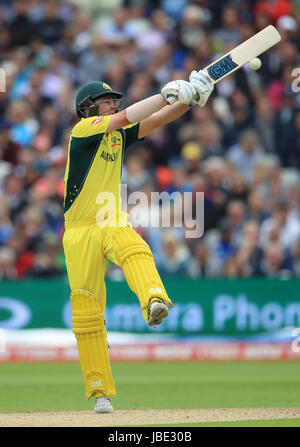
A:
[(240, 55)]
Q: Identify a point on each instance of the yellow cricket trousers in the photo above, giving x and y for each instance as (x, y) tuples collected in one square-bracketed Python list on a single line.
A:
[(86, 245)]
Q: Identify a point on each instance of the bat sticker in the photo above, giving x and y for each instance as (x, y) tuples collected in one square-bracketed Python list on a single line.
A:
[(221, 68)]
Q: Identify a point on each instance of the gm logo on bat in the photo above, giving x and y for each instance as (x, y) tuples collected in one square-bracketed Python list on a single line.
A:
[(221, 68)]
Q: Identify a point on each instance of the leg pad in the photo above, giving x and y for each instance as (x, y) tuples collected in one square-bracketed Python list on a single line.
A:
[(89, 329), (135, 257)]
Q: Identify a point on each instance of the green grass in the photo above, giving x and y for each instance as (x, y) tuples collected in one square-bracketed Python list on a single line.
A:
[(252, 423), (59, 387)]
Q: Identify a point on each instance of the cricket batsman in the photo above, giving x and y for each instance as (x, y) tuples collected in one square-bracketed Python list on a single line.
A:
[(94, 231)]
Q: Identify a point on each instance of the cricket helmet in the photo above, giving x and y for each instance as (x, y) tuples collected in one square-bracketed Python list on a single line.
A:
[(88, 94)]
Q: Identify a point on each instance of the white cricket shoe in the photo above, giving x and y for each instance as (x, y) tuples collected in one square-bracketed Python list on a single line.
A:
[(157, 312), (103, 405)]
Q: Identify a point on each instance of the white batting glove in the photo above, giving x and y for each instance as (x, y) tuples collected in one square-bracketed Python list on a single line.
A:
[(203, 85), (182, 91)]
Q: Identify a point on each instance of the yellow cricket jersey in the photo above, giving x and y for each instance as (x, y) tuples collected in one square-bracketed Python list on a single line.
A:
[(94, 167)]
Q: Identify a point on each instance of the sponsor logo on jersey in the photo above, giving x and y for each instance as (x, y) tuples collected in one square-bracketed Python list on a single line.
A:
[(108, 157), (97, 120), (95, 383), (221, 68), (155, 290), (116, 141)]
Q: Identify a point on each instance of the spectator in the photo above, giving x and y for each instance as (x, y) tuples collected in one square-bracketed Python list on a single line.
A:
[(275, 264), (249, 254), (235, 212), (210, 140), (191, 27), (157, 35), (94, 62), (174, 9), (24, 258), (180, 180), (231, 268), (5, 41), (14, 195), (239, 188), (119, 30), (161, 64), (228, 35), (256, 207), (265, 124), (201, 265), (7, 261), (290, 143), (136, 174), (82, 38), (191, 154), (138, 21), (24, 124), (241, 119), (9, 150), (216, 177), (6, 225), (221, 246), (21, 28), (175, 259), (284, 222), (246, 154), (51, 27), (33, 220), (191, 130)]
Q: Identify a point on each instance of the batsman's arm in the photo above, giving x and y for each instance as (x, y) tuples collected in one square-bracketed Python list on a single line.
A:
[(164, 116), (144, 109), (137, 112)]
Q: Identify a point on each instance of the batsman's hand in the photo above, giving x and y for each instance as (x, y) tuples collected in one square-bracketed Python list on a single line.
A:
[(182, 91), (203, 85)]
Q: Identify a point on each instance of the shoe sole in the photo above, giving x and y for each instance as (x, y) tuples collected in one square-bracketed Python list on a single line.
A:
[(157, 315), (104, 410)]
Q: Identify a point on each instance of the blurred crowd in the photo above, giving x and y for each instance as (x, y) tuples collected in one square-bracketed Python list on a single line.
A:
[(242, 150)]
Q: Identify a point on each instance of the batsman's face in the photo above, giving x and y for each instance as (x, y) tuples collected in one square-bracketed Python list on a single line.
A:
[(106, 105)]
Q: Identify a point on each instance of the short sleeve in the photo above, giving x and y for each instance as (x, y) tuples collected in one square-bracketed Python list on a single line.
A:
[(131, 134), (93, 125)]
